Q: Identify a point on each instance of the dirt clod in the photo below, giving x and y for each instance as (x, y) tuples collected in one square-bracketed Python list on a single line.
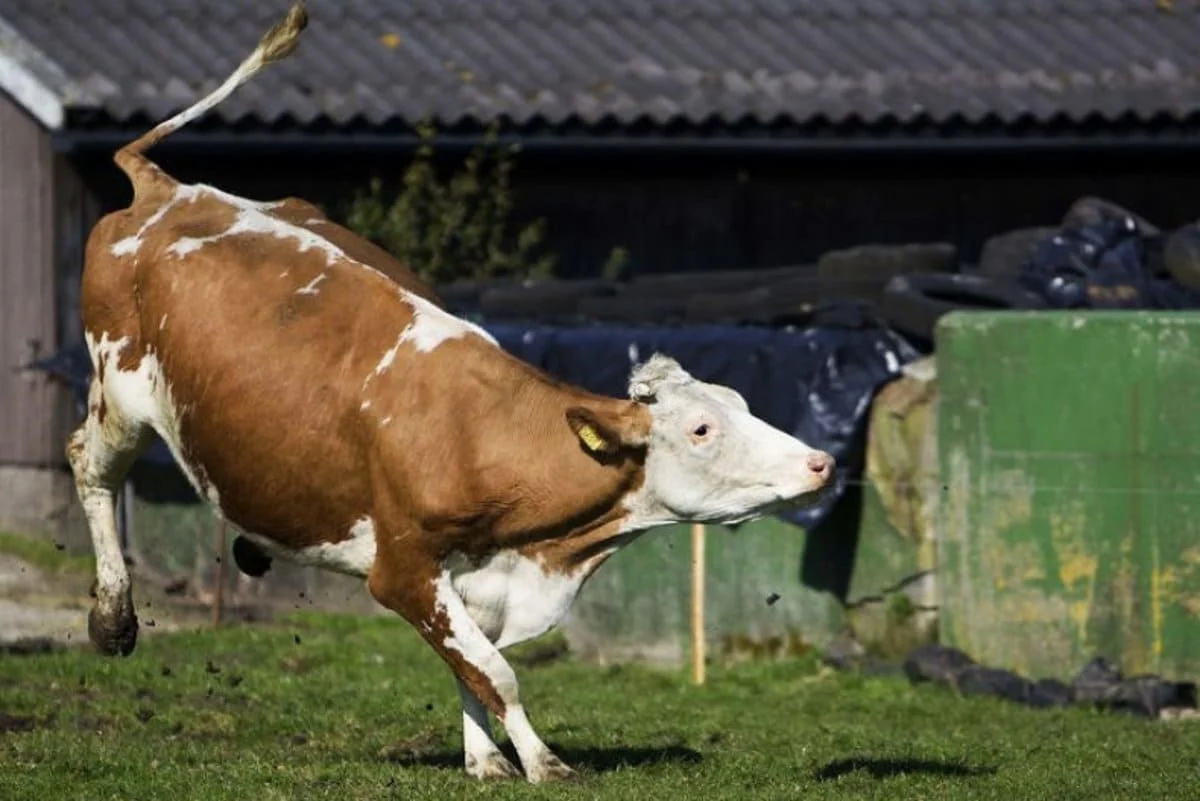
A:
[(15, 723), (411, 749), (145, 714), (772, 599)]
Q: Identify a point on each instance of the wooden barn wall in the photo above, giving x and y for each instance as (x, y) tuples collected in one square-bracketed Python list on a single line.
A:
[(45, 213), (678, 212), (27, 292)]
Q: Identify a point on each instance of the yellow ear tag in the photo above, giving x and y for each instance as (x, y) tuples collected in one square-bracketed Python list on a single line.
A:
[(591, 438)]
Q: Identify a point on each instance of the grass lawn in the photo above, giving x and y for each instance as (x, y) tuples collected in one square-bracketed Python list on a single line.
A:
[(316, 706)]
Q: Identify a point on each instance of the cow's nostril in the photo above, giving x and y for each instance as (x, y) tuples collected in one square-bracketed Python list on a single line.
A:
[(820, 463)]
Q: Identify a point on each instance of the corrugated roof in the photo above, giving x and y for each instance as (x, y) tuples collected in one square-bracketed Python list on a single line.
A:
[(380, 62)]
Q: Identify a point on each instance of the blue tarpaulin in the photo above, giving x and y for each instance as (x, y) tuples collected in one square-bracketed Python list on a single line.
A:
[(815, 383)]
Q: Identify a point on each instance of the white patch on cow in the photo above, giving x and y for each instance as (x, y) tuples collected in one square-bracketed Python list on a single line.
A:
[(253, 217), (432, 326), (385, 420), (162, 323), (131, 244), (353, 556), (311, 287), (513, 598), (364, 406), (143, 396), (389, 356)]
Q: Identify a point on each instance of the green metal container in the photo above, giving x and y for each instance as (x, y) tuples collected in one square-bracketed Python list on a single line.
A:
[(1069, 455)]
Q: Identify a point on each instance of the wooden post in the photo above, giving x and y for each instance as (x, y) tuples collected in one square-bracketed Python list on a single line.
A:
[(699, 642), (219, 594)]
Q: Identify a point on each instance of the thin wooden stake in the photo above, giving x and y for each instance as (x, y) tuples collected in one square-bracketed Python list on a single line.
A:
[(698, 639), (219, 595)]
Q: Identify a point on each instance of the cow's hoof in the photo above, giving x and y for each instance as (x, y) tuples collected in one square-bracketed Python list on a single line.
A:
[(551, 769), (249, 558), (493, 766), (115, 633)]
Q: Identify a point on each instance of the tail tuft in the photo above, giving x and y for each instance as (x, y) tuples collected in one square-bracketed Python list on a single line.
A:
[(281, 40)]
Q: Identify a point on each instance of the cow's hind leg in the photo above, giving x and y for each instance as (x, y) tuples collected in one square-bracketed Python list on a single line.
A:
[(101, 452)]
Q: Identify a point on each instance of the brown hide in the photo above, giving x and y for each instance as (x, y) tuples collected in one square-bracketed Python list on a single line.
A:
[(462, 448)]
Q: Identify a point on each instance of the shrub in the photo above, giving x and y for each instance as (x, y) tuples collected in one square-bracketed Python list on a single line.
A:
[(454, 228)]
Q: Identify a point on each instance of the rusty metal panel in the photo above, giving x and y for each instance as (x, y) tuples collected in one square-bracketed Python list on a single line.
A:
[(1069, 524)]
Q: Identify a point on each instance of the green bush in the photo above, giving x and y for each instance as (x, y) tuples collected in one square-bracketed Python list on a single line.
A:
[(455, 228)]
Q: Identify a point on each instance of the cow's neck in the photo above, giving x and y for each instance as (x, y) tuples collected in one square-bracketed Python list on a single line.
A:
[(589, 505)]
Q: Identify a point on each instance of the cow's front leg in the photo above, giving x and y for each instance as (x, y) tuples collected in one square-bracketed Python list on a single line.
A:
[(483, 757), (429, 602)]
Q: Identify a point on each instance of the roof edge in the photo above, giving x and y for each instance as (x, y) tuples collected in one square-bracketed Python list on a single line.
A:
[(20, 65), (67, 141)]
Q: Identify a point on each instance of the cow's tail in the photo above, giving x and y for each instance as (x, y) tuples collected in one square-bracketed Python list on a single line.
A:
[(276, 45)]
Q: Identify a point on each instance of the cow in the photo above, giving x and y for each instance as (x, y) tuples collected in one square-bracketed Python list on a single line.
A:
[(317, 397)]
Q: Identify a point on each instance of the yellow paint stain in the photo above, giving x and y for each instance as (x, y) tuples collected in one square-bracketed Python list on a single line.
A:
[(1077, 567), (1068, 535), (1078, 612), (1156, 611)]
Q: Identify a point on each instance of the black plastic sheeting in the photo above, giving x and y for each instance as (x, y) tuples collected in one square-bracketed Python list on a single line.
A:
[(1099, 684), (816, 383), (1106, 264)]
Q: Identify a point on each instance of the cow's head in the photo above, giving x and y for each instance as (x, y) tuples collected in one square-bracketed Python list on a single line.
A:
[(707, 458)]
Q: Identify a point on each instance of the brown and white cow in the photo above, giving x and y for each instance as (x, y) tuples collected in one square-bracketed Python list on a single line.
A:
[(316, 395)]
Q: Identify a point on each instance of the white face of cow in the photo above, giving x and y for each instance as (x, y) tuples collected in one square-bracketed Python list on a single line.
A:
[(708, 459)]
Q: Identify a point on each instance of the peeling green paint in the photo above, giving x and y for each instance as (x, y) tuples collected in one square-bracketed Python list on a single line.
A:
[(1072, 460)]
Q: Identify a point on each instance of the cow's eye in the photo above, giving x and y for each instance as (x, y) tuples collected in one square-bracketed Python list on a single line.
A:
[(701, 430)]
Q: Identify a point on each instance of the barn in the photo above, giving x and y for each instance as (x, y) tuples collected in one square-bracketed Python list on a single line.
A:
[(697, 134)]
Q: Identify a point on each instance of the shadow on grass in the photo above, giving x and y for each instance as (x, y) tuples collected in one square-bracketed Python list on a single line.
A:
[(886, 768), (591, 760)]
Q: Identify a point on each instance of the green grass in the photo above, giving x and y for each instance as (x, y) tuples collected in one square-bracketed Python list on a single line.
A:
[(317, 706), (44, 554)]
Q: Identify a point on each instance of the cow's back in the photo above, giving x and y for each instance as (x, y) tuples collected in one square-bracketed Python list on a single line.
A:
[(264, 335)]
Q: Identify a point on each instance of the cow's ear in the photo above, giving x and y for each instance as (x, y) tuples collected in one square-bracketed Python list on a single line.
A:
[(604, 432)]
